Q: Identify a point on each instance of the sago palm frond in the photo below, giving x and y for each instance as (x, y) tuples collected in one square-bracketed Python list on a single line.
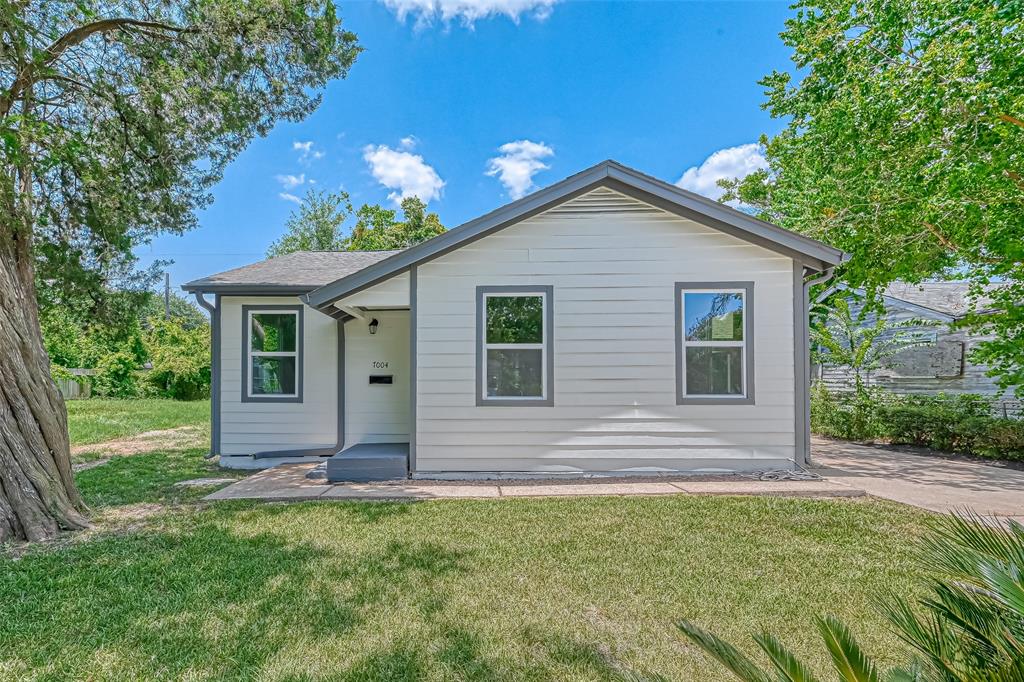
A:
[(790, 668), (852, 664), (726, 654)]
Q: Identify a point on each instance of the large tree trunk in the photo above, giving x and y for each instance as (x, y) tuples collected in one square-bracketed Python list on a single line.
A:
[(38, 497)]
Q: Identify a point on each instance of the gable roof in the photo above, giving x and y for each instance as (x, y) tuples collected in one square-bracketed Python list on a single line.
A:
[(813, 254), (294, 273), (945, 301), (948, 298)]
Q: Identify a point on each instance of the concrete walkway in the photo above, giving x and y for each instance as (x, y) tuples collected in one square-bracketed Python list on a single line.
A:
[(934, 483), (293, 482)]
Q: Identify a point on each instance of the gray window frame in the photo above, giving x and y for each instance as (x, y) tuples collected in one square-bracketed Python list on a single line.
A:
[(548, 292), (748, 343), (247, 311)]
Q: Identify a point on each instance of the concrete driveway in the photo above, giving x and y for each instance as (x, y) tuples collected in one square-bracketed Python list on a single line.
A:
[(935, 483)]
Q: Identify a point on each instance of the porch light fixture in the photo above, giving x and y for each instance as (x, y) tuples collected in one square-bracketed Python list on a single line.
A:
[(373, 326)]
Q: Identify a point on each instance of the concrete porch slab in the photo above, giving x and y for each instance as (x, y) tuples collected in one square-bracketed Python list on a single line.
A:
[(294, 482), (786, 488), (575, 489)]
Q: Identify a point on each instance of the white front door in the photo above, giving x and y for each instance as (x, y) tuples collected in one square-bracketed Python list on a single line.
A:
[(377, 378)]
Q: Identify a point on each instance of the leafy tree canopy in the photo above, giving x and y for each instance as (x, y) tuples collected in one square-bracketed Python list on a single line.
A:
[(319, 225), (120, 116), (116, 119), (379, 229), (905, 147), (316, 225)]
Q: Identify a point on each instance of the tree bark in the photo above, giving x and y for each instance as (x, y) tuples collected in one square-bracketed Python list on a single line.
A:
[(38, 497)]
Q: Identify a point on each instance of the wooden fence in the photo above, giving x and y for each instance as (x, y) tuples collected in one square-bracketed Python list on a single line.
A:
[(78, 386)]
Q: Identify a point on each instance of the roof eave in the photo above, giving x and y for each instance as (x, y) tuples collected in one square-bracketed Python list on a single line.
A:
[(238, 289), (811, 253)]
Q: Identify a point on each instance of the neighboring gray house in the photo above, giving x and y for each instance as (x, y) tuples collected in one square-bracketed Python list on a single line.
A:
[(609, 324), (942, 363)]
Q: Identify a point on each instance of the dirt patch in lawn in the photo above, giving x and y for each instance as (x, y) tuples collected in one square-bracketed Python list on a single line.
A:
[(96, 454)]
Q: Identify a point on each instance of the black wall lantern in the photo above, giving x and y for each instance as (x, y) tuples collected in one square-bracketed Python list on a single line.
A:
[(373, 326)]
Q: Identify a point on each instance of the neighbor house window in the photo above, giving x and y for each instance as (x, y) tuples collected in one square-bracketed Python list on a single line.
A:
[(714, 344), (272, 352), (514, 361)]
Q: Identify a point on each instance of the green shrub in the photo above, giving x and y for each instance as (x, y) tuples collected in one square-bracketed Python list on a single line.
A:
[(950, 423), (117, 376), (850, 416), (180, 356), (999, 438)]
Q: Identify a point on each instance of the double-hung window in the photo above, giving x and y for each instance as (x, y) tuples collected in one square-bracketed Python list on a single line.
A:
[(714, 343), (514, 361), (272, 353)]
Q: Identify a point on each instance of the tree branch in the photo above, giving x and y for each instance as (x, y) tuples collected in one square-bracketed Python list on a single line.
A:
[(941, 237), (1011, 119), (76, 36)]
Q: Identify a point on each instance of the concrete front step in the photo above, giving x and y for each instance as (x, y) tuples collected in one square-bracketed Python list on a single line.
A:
[(369, 462)]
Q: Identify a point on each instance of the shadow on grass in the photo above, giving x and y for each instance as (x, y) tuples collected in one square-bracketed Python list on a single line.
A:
[(146, 477), (243, 590), (195, 598)]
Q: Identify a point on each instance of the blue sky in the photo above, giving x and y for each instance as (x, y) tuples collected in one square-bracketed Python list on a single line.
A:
[(455, 101)]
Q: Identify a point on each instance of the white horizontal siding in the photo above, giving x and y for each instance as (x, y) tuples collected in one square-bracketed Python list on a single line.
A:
[(253, 427), (613, 262), (392, 292)]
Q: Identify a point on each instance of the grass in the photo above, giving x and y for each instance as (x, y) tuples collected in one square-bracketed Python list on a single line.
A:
[(475, 590), (96, 420), (512, 589)]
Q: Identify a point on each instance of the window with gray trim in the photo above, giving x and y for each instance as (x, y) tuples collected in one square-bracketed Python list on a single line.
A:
[(272, 353), (514, 361), (714, 353)]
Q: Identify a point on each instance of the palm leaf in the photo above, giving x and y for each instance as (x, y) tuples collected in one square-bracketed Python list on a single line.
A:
[(726, 654), (1007, 584), (850, 660), (929, 636), (957, 542), (791, 669)]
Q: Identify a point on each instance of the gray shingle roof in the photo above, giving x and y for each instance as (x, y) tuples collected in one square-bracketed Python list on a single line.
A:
[(299, 272), (950, 298)]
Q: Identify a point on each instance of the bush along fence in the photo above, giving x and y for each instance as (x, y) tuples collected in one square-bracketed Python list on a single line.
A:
[(962, 423), (75, 383)]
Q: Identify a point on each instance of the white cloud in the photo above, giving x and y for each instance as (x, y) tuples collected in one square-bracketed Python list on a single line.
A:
[(289, 197), (292, 181), (518, 163), (404, 172), (732, 162), (407, 142), (468, 12), (307, 151)]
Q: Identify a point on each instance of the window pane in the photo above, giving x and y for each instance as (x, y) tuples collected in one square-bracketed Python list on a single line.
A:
[(273, 376), (515, 319), (515, 373), (714, 371), (273, 332), (713, 316)]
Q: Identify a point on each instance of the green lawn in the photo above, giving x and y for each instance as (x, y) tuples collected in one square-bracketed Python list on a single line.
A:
[(96, 420), (482, 590), (543, 589)]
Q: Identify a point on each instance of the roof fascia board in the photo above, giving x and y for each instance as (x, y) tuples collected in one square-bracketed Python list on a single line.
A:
[(248, 289), (675, 208), (809, 252), (527, 207), (748, 226)]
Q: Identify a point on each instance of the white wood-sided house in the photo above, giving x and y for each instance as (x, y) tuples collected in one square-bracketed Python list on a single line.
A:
[(609, 324)]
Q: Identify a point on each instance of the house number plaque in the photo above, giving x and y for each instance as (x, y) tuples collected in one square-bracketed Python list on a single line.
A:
[(379, 364)]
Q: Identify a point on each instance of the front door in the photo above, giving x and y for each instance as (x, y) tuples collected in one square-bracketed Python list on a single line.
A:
[(377, 378)]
